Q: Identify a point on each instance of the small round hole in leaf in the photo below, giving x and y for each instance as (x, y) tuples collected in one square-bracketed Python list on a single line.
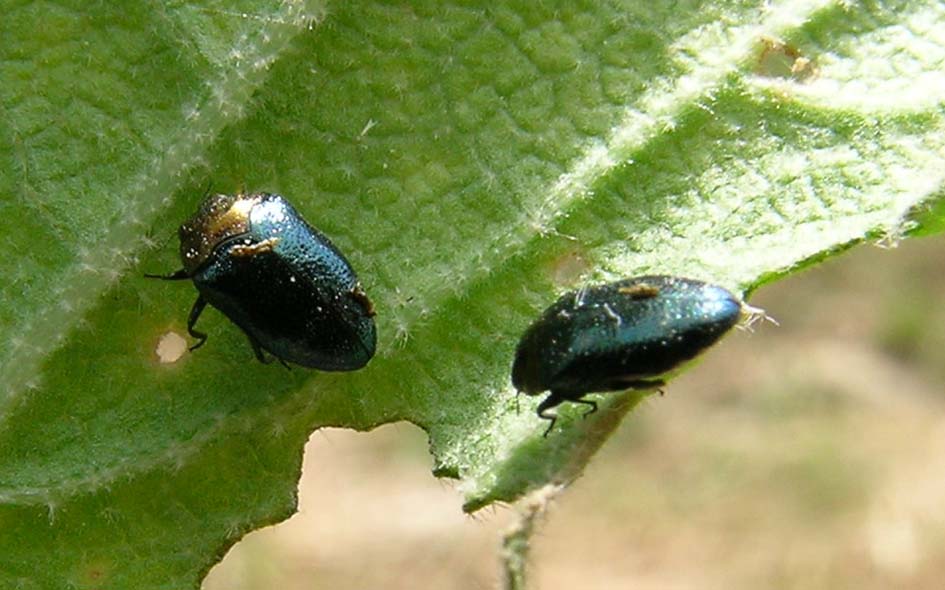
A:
[(171, 347)]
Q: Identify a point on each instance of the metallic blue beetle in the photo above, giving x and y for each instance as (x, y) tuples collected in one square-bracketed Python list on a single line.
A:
[(616, 336), (279, 279)]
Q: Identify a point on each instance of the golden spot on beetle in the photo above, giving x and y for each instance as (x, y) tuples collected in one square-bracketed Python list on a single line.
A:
[(243, 250), (569, 267), (361, 297), (220, 217), (641, 291), (778, 59), (170, 348)]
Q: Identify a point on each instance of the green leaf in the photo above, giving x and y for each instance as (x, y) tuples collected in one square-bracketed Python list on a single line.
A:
[(472, 160)]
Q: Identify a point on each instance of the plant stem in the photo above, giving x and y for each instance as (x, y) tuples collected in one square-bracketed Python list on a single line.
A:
[(515, 539)]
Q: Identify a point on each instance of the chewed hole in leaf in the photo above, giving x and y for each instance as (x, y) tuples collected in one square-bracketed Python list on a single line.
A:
[(566, 269), (778, 59), (170, 347)]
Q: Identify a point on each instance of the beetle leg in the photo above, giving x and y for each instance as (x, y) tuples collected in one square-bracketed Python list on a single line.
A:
[(586, 402), (257, 350), (179, 275), (551, 424), (656, 384), (621, 383), (546, 404), (195, 312), (648, 384), (261, 357)]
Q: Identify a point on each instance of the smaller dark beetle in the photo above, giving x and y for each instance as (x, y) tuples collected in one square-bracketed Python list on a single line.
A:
[(277, 278), (622, 335)]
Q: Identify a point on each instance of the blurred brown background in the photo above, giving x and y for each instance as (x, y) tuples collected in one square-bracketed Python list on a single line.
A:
[(808, 456)]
